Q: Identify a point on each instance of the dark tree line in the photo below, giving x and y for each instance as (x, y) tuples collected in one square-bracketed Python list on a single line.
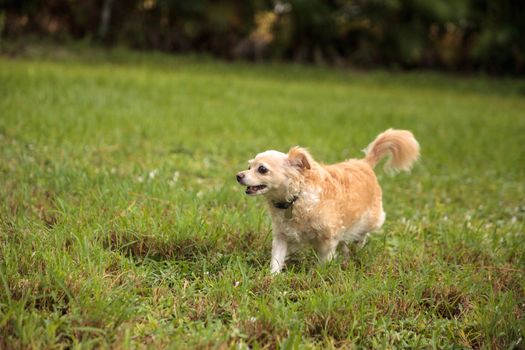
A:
[(462, 35)]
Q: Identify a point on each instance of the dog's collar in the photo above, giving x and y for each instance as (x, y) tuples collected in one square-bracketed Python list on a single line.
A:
[(285, 205)]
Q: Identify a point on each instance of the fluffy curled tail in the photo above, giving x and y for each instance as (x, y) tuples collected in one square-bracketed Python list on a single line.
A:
[(401, 145)]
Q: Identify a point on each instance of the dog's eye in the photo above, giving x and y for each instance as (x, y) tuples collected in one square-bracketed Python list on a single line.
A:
[(262, 169)]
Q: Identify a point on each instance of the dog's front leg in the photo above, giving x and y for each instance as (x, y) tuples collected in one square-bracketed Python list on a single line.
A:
[(279, 251)]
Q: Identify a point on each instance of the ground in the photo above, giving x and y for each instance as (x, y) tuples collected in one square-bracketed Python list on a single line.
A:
[(122, 225)]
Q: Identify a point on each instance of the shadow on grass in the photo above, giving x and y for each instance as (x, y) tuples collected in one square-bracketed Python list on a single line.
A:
[(446, 302), (189, 249), (144, 246)]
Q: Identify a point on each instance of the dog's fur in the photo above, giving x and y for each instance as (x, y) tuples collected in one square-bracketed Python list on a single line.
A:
[(324, 205)]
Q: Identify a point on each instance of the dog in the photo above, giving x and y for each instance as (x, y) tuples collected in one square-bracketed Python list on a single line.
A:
[(325, 205)]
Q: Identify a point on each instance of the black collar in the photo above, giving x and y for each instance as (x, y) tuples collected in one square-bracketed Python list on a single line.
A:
[(285, 205)]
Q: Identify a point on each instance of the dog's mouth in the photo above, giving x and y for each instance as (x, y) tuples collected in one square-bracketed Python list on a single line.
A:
[(253, 190)]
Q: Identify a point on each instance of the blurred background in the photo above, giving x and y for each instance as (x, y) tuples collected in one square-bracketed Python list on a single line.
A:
[(452, 35)]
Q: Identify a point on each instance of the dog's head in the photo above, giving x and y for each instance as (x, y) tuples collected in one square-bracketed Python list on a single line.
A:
[(275, 173)]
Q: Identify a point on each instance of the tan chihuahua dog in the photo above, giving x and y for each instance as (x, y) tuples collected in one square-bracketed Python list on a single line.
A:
[(324, 205)]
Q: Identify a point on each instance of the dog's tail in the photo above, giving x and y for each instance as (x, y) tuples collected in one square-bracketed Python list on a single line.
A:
[(401, 145)]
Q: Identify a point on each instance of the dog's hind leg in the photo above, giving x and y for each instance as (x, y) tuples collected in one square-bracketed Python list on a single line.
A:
[(326, 251), (344, 248), (361, 243)]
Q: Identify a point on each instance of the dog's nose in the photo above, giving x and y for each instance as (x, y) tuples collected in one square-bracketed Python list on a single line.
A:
[(240, 176)]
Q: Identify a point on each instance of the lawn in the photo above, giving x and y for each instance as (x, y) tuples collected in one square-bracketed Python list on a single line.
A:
[(122, 226)]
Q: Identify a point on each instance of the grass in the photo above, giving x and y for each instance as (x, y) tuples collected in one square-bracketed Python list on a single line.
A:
[(122, 225)]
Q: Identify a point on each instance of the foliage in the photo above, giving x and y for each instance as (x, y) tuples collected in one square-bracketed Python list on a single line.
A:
[(121, 224), (452, 34)]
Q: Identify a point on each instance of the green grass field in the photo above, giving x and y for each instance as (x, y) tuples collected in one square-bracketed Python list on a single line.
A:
[(122, 225)]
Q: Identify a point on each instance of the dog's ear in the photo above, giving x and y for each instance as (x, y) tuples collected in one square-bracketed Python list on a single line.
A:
[(300, 158)]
